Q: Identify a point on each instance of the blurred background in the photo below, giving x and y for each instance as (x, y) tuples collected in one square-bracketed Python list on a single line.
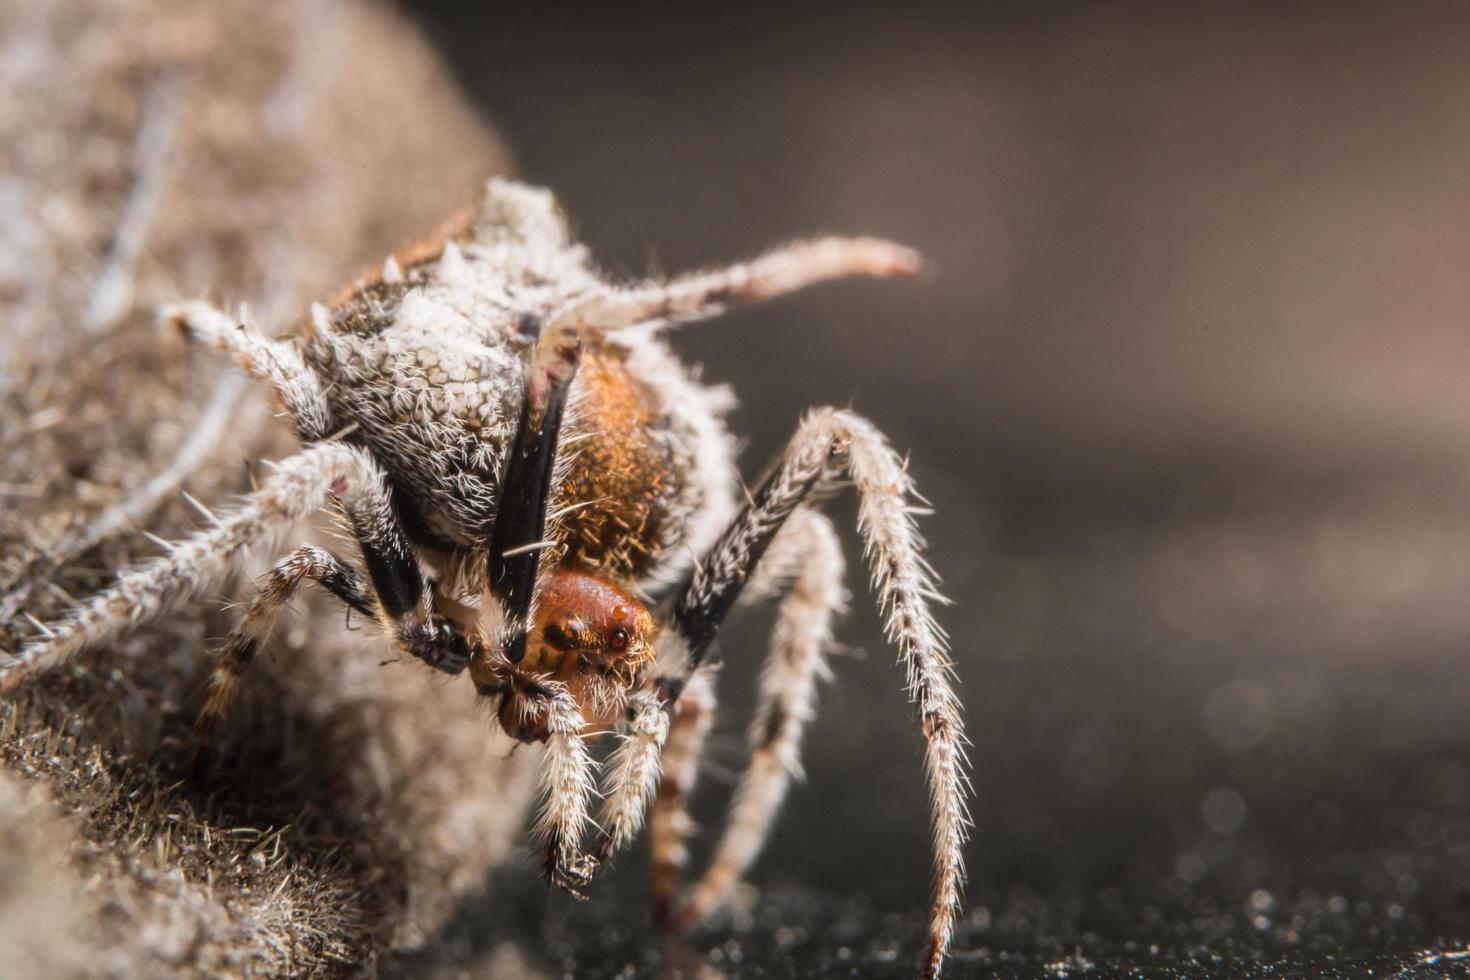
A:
[(1187, 387)]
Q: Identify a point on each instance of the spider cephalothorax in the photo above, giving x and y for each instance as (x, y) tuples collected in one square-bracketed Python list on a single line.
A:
[(589, 635), (523, 463)]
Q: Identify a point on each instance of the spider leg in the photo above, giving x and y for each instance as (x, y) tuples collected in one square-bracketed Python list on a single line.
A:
[(669, 824), (634, 774), (140, 504), (704, 294), (298, 486), (277, 362), (280, 586), (520, 519), (825, 440), (807, 555), (403, 594), (567, 782)]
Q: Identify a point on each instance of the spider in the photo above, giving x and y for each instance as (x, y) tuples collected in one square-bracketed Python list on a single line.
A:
[(525, 468)]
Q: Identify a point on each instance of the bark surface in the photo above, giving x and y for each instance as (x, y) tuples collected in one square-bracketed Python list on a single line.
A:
[(251, 153)]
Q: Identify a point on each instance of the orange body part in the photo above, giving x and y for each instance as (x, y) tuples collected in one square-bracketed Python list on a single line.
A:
[(586, 624), (589, 634)]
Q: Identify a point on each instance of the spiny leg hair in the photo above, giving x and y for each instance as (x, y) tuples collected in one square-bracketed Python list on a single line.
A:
[(298, 487), (276, 362), (279, 588), (566, 785), (139, 505), (905, 585), (807, 554), (704, 294), (633, 774)]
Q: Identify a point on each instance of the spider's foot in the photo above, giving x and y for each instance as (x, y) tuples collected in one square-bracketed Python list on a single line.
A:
[(570, 875), (583, 869)]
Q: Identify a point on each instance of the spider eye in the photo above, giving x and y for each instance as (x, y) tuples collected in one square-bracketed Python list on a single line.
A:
[(558, 636), (617, 640)]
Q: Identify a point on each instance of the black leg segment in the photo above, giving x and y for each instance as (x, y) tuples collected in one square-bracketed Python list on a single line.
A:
[(520, 520)]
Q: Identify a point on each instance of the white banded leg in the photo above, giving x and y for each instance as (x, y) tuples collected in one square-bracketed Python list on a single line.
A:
[(704, 294), (298, 486), (828, 439), (305, 564), (633, 775), (567, 782), (807, 555)]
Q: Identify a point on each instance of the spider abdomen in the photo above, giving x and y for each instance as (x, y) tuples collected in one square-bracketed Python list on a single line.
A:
[(621, 486)]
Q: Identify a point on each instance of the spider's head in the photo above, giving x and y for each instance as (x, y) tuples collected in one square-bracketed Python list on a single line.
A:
[(588, 634), (586, 623)]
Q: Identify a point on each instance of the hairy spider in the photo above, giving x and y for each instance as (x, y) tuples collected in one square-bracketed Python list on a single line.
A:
[(522, 461)]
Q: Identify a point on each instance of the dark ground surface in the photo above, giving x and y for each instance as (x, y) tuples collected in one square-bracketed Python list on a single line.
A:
[(1187, 390)]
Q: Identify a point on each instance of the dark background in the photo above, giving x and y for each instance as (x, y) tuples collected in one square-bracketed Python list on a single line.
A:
[(1187, 387)]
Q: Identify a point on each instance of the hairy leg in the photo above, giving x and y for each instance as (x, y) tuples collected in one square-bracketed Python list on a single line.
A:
[(669, 824), (567, 782), (826, 441), (280, 586), (298, 487), (806, 554), (276, 362), (807, 557), (704, 294), (140, 504), (633, 775), (398, 580), (517, 539)]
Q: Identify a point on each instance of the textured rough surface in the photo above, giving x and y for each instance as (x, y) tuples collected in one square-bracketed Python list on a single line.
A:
[(257, 154)]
